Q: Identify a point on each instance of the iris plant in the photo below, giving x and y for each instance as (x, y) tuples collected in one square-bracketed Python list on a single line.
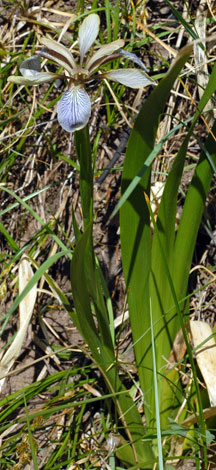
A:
[(74, 107)]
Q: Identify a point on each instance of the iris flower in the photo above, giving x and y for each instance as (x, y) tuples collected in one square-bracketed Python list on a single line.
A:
[(74, 107)]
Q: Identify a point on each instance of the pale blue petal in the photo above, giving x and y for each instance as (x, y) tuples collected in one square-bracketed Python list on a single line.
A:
[(37, 79), (134, 78), (88, 32), (133, 57), (31, 75), (102, 52), (74, 109), (30, 67), (58, 53)]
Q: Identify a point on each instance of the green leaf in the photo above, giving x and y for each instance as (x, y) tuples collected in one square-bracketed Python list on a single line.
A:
[(134, 221), (135, 181), (163, 304), (103, 352), (192, 212), (182, 20), (10, 240)]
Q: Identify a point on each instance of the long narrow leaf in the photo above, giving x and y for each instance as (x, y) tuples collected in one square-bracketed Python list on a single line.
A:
[(190, 219), (104, 354), (161, 292), (134, 218)]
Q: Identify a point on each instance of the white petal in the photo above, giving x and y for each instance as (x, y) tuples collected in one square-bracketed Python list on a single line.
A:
[(133, 78), (59, 54), (37, 79), (88, 32), (104, 51), (74, 109), (133, 57), (30, 67)]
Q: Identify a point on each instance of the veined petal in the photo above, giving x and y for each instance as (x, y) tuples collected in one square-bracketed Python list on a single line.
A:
[(104, 51), (74, 109), (58, 53), (39, 77), (133, 57), (59, 60), (134, 78), (30, 67), (88, 32)]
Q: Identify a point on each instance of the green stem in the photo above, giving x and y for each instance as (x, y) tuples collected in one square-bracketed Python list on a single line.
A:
[(83, 150)]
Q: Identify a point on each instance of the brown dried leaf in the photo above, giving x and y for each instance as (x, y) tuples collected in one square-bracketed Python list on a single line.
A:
[(179, 348)]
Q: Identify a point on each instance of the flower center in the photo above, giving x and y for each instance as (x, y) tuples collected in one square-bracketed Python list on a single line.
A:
[(80, 76)]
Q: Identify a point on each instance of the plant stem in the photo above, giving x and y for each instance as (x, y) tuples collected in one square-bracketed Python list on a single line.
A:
[(83, 149)]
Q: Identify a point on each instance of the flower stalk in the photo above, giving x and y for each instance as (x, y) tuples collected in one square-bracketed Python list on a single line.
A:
[(83, 150)]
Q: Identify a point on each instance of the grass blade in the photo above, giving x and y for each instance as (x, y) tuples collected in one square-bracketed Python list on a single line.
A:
[(157, 404)]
